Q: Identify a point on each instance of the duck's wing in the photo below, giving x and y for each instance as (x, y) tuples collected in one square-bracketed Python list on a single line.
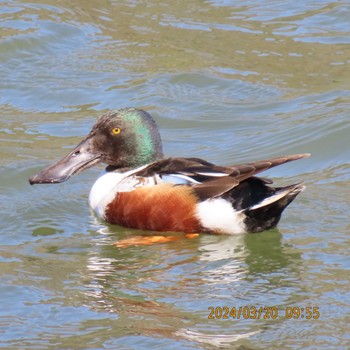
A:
[(239, 173), (210, 180), (183, 166)]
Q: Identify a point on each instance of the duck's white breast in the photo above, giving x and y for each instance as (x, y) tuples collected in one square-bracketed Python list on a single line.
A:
[(103, 191)]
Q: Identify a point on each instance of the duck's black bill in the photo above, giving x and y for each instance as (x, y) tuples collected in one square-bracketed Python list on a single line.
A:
[(81, 158)]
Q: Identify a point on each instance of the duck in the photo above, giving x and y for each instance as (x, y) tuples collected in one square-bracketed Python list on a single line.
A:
[(142, 189)]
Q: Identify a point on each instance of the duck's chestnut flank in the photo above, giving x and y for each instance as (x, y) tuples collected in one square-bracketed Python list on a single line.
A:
[(161, 208)]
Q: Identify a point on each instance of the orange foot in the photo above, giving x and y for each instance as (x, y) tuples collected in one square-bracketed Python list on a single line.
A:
[(149, 240)]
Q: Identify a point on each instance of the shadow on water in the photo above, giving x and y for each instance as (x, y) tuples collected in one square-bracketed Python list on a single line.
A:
[(268, 253)]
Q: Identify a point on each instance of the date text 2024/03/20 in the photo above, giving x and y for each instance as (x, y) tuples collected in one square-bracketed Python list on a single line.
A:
[(263, 312)]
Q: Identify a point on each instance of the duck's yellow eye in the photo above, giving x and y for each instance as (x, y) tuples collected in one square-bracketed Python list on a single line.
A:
[(116, 131)]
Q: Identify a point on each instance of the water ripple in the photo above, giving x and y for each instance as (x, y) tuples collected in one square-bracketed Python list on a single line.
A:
[(226, 81)]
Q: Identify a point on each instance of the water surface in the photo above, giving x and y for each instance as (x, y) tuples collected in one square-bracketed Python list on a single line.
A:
[(228, 81)]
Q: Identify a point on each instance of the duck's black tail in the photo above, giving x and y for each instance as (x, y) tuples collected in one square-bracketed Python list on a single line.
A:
[(267, 213)]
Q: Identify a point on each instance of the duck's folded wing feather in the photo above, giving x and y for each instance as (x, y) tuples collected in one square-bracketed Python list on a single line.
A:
[(214, 180), (221, 185), (184, 166)]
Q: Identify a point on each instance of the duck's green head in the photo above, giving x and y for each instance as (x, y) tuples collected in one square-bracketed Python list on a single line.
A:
[(124, 139)]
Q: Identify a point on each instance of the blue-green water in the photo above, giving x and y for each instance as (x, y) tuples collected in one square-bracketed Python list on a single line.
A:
[(227, 81)]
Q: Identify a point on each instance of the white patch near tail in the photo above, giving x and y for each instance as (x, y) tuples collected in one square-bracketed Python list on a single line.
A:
[(218, 215), (277, 196)]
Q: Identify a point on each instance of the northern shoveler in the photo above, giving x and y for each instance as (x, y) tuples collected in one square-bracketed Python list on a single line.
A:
[(141, 189)]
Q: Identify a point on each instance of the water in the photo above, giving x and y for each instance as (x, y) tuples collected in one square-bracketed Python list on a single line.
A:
[(226, 81)]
